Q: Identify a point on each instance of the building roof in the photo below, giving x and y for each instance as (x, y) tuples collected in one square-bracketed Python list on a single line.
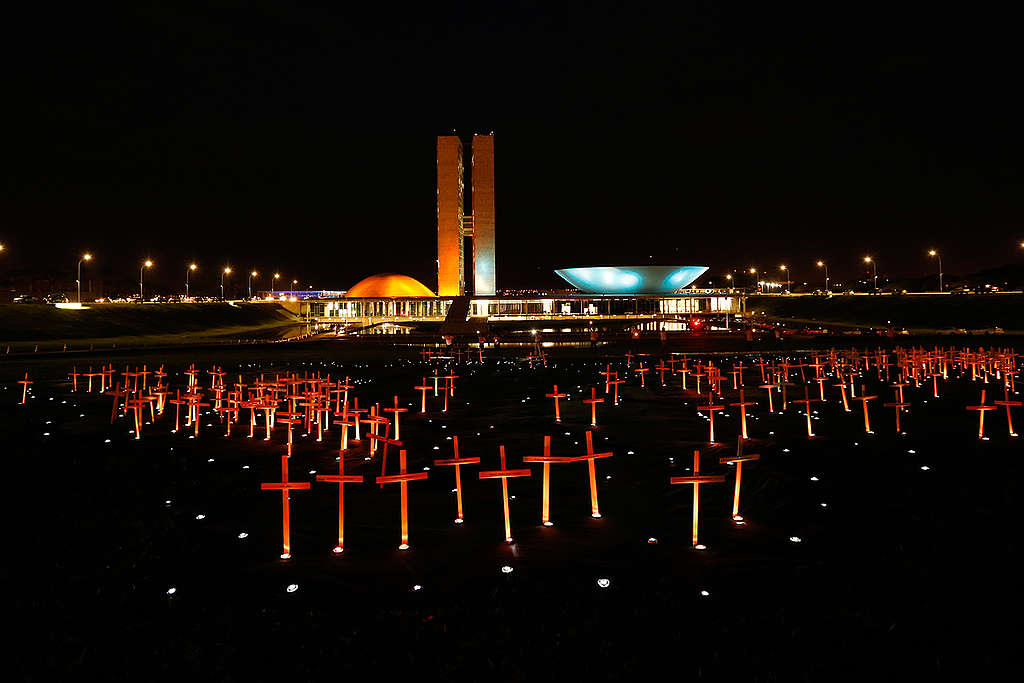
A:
[(631, 280), (387, 285)]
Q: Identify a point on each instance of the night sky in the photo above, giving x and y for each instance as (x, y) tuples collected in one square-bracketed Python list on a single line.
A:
[(303, 139)]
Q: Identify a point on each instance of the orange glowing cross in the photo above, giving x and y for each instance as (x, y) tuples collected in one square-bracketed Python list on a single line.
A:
[(864, 401), (769, 387), (711, 408), (899, 405), (642, 371), (374, 438), (118, 395), (423, 389), (556, 396), (807, 401), (289, 419), (590, 457), (696, 480), (593, 401), (842, 390), (1008, 403), (341, 479), (981, 408), (615, 384), (403, 477), (457, 463), (547, 459), (738, 460), (608, 376), (504, 475), (737, 369), (343, 397), (24, 388), (396, 410), (285, 486), (436, 376), (743, 412), (661, 368), (74, 374)]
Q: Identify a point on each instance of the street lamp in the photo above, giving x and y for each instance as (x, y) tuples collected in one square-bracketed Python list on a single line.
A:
[(146, 264), (277, 276), (251, 276), (874, 271), (932, 252), (785, 270), (226, 271), (78, 281), (728, 277), (753, 271), (822, 264), (188, 270)]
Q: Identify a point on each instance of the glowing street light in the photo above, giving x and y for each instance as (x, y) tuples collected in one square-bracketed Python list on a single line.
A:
[(753, 271), (188, 270), (785, 270), (146, 264), (822, 264), (251, 276), (226, 271), (932, 252), (277, 276), (2, 246), (85, 257), (874, 271)]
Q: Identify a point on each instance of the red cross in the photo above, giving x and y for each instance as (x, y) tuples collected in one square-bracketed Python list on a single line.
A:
[(711, 408), (590, 457), (981, 408), (504, 475), (556, 396), (1008, 403), (696, 480), (807, 401), (743, 412), (285, 486), (341, 479), (457, 463), (547, 459), (403, 478), (593, 401), (738, 460)]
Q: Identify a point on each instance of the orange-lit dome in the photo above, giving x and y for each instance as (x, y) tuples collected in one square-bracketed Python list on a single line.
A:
[(386, 285)]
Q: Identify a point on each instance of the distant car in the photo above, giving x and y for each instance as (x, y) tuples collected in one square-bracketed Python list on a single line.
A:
[(26, 299)]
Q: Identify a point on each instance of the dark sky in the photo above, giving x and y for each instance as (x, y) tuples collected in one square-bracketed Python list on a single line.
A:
[(302, 139)]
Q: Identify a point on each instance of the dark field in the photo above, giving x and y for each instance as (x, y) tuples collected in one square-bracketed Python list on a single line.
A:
[(904, 571)]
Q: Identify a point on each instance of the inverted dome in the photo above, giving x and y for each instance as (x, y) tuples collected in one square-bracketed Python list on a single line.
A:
[(387, 285), (631, 279)]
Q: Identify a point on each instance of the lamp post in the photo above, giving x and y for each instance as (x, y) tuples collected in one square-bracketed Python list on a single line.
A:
[(251, 276), (822, 264), (146, 264), (874, 271), (932, 252), (728, 277), (753, 271), (188, 270), (78, 280), (226, 271), (277, 276), (785, 270)]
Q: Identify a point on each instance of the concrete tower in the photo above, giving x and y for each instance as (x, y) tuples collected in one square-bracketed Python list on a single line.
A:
[(453, 225), (450, 206), (483, 215)]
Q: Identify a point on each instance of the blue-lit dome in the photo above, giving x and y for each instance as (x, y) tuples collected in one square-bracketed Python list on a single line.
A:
[(631, 279)]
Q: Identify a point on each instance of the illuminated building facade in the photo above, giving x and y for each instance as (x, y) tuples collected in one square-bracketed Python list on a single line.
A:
[(454, 226)]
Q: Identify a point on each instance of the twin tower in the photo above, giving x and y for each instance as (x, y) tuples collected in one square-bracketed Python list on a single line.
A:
[(454, 225)]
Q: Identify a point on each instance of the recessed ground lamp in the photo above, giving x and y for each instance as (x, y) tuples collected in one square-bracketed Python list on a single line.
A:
[(403, 478), (696, 480), (457, 463), (340, 479), (505, 474), (284, 486), (981, 408), (556, 396)]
